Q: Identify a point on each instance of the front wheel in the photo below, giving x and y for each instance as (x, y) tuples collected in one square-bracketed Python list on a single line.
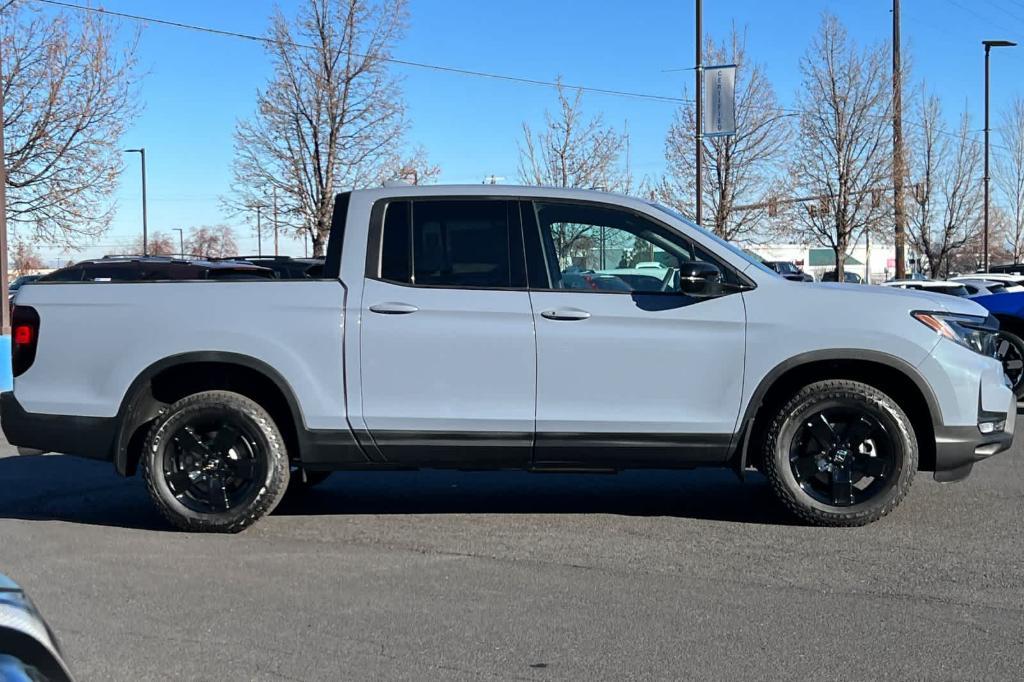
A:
[(215, 462), (840, 453)]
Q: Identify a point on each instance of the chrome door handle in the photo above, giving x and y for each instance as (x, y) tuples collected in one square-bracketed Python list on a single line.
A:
[(391, 308), (568, 314)]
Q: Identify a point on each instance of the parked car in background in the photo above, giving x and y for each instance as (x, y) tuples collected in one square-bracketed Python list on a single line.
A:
[(934, 286), (1013, 283), (1008, 309), (848, 277), (1008, 269), (788, 270), (447, 332), (983, 287), (284, 267), (18, 282), (155, 268)]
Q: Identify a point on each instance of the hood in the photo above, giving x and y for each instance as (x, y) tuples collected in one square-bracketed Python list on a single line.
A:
[(915, 299)]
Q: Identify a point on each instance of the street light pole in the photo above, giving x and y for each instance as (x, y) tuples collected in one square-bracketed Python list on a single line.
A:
[(181, 240), (989, 44), (141, 151), (699, 194)]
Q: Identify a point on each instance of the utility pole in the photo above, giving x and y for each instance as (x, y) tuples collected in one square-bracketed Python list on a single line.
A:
[(259, 231), (700, 117), (898, 171), (989, 44), (181, 240), (5, 314), (141, 151), (275, 222)]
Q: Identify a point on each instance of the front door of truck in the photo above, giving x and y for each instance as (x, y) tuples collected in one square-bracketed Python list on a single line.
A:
[(640, 340), (448, 357)]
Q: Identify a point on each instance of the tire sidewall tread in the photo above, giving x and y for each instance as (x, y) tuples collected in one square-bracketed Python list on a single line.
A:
[(776, 459), (235, 520)]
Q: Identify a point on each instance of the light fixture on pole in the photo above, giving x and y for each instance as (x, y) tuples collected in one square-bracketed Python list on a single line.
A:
[(989, 44), (141, 151)]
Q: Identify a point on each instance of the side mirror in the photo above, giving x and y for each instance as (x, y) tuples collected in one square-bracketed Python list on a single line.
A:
[(698, 278)]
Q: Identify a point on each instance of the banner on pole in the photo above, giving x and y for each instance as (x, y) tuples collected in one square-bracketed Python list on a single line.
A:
[(720, 100)]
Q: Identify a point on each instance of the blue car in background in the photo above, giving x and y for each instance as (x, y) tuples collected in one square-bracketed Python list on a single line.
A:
[(1008, 308)]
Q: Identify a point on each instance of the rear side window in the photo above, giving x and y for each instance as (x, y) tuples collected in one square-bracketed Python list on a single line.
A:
[(461, 244), (451, 243)]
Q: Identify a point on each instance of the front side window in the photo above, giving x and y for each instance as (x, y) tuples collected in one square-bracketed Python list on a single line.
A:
[(450, 243), (596, 248)]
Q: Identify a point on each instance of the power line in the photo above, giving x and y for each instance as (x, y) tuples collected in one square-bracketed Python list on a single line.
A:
[(390, 60)]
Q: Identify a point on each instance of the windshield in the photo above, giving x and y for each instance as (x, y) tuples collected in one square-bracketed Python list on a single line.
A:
[(751, 258)]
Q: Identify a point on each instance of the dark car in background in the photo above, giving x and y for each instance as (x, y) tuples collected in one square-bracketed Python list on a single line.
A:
[(155, 268), (848, 277), (285, 267), (18, 282), (788, 270)]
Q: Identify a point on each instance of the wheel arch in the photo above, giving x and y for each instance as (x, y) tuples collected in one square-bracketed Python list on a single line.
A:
[(890, 374), (170, 378)]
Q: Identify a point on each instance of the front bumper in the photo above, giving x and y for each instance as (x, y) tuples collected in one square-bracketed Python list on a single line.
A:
[(91, 437), (957, 448)]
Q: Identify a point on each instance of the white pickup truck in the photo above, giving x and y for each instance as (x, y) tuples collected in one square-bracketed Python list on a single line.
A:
[(490, 327)]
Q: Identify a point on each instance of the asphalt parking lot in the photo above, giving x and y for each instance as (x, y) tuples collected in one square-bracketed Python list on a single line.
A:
[(438, 575)]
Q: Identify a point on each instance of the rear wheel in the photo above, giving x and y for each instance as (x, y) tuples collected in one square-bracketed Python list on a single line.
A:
[(215, 461), (840, 453)]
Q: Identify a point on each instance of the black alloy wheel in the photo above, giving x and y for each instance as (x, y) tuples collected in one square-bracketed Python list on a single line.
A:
[(840, 453), (842, 456), (215, 461), (212, 464)]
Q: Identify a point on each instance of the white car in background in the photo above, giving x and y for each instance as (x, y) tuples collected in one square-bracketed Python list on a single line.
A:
[(985, 287), (930, 285), (1013, 283)]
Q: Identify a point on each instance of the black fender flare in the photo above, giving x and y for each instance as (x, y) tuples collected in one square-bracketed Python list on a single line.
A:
[(138, 405), (741, 441)]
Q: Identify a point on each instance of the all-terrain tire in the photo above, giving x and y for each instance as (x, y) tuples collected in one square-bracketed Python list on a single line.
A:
[(268, 446), (850, 395)]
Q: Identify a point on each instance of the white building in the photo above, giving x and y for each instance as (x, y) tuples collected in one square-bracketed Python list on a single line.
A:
[(815, 260)]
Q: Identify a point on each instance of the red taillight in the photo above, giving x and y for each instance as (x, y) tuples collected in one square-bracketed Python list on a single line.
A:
[(23, 335), (25, 325)]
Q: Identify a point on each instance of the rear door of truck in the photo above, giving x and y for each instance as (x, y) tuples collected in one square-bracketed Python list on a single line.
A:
[(446, 334)]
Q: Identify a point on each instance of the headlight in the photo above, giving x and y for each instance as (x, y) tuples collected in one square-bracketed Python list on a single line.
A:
[(976, 333)]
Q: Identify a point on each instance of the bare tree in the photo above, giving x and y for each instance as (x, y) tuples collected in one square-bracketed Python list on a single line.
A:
[(330, 119), (24, 259), (946, 196), (1009, 177), (211, 242), (572, 150), (740, 169), (843, 144), (158, 244), (68, 96)]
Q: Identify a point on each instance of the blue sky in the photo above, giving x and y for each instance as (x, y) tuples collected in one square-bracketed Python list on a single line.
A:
[(198, 85)]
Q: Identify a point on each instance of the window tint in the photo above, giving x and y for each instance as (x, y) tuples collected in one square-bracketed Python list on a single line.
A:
[(595, 248), (461, 243), (395, 247)]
